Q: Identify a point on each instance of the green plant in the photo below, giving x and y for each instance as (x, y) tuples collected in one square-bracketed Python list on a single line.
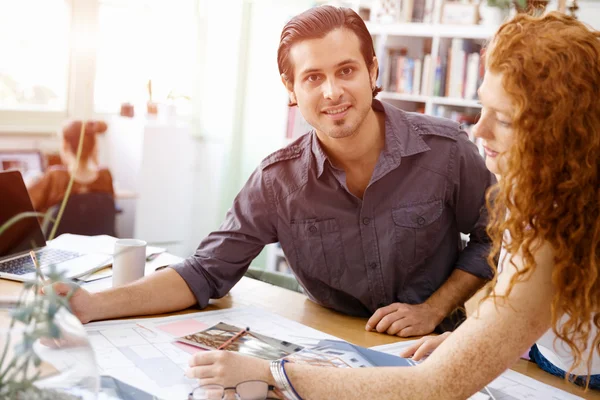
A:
[(35, 313), (37, 318)]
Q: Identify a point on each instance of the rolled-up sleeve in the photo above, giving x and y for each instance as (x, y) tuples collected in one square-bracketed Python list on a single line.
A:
[(223, 256), (471, 179)]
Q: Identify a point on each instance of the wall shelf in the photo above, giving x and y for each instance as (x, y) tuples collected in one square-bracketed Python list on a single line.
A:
[(430, 100), (416, 29)]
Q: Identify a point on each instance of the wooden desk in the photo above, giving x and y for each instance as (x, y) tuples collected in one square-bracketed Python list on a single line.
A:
[(297, 307)]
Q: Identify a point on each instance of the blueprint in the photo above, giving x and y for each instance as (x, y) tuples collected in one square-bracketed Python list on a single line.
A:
[(143, 353)]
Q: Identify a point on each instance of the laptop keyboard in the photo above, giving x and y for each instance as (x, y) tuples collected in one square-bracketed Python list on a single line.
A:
[(24, 265)]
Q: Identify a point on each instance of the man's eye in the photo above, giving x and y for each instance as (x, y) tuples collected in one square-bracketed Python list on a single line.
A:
[(347, 71), (312, 78)]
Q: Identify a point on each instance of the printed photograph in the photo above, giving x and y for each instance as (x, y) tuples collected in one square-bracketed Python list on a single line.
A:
[(248, 343)]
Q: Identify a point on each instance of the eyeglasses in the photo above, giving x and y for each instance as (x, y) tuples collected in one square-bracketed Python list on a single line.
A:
[(248, 390)]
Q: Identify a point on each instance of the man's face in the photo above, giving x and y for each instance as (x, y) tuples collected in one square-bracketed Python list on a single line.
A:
[(332, 84)]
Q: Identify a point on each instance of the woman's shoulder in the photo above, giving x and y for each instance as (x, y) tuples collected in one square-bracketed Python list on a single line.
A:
[(104, 173)]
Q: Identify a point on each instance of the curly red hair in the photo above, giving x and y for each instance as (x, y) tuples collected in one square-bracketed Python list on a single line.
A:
[(550, 191)]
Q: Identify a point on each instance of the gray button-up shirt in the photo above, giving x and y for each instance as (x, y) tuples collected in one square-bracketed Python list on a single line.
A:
[(398, 244)]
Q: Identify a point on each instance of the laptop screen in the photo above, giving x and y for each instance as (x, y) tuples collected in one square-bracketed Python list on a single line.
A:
[(26, 234)]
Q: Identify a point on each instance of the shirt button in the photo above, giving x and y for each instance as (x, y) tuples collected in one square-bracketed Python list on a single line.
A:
[(420, 220), (366, 221), (313, 229), (373, 265)]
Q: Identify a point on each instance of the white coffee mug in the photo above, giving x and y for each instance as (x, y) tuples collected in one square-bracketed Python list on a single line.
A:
[(129, 261)]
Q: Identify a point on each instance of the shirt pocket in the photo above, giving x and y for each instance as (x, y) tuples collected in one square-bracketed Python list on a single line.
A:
[(415, 225), (319, 249)]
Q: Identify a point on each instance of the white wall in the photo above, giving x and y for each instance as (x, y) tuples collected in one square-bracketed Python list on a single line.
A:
[(242, 103), (265, 98), (589, 12), (217, 102)]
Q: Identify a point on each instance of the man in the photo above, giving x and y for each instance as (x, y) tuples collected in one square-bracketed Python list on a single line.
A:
[(368, 207)]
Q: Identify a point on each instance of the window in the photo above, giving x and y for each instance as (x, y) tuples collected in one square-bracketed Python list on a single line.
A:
[(34, 44), (143, 40), (75, 57)]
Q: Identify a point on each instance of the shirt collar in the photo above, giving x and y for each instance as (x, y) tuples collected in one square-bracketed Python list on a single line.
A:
[(402, 138)]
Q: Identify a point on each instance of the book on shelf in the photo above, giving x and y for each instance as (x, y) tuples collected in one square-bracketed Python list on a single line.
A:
[(472, 76), (407, 10), (439, 83), (417, 72), (459, 71), (403, 11), (406, 74), (426, 79)]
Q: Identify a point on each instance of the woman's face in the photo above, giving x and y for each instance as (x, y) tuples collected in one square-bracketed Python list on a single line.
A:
[(495, 124)]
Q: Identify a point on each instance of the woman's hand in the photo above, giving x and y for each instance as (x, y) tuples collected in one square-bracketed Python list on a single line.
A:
[(227, 368), (424, 346)]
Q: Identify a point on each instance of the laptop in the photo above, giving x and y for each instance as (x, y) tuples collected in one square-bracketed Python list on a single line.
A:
[(26, 235)]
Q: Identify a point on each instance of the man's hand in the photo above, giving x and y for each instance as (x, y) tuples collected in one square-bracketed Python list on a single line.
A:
[(81, 300), (424, 346), (405, 319)]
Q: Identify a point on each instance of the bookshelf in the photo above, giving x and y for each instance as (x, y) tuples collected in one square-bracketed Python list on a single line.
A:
[(431, 47)]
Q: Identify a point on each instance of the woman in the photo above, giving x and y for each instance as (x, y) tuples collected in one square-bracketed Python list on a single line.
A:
[(51, 187), (541, 128)]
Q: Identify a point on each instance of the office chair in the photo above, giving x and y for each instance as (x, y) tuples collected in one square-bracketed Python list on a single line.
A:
[(286, 281), (85, 214)]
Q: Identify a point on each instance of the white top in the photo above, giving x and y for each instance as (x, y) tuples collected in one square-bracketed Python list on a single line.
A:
[(559, 353)]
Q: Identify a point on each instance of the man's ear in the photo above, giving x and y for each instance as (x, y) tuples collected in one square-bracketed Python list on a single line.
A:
[(289, 87), (374, 72)]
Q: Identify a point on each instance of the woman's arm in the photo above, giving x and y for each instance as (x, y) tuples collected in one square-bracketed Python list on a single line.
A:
[(483, 347)]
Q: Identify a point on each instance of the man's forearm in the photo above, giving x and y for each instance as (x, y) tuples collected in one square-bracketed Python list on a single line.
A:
[(457, 289), (160, 292)]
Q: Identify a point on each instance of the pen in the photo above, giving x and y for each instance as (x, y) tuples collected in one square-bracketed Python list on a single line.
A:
[(36, 264), (234, 338), (152, 256)]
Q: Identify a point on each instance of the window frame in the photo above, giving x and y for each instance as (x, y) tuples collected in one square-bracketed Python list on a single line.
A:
[(81, 75)]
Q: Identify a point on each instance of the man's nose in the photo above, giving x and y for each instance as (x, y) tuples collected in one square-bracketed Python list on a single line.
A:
[(332, 90)]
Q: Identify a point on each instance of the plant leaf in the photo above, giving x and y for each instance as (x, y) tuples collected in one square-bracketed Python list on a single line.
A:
[(22, 314), (18, 217), (37, 361), (53, 330)]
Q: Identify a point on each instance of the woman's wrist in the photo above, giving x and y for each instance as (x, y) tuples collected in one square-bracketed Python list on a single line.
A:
[(265, 373), (282, 381)]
